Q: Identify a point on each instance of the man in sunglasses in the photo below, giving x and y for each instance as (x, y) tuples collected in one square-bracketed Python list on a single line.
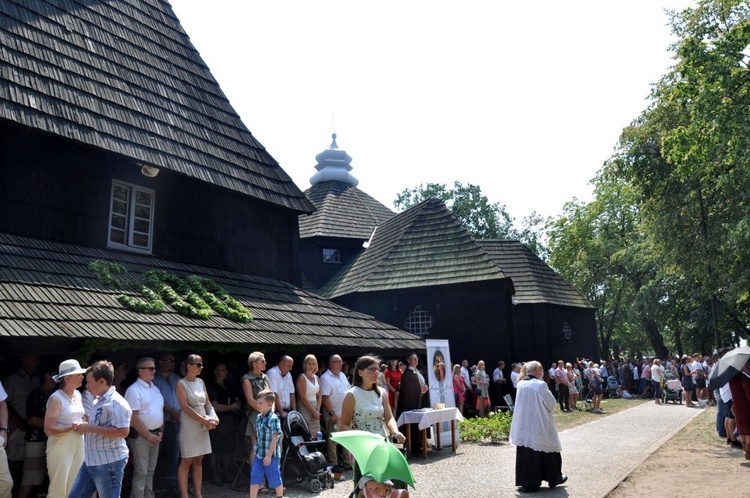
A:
[(147, 404), (169, 451)]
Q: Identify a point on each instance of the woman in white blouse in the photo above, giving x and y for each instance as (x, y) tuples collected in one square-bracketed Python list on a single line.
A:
[(65, 450), (483, 384), (309, 395)]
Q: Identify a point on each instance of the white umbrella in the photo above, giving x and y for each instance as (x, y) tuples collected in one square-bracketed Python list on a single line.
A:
[(728, 366)]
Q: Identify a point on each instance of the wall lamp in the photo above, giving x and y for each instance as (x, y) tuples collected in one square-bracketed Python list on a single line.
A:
[(149, 171)]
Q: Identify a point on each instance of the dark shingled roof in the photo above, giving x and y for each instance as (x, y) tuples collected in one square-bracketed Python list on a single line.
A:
[(47, 290), (122, 75), (423, 246), (342, 210), (533, 279)]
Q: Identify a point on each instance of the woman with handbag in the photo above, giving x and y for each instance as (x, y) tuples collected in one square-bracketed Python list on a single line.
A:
[(198, 417), (483, 384), (686, 371)]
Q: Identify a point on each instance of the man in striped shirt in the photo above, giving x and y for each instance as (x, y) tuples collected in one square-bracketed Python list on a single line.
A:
[(104, 434)]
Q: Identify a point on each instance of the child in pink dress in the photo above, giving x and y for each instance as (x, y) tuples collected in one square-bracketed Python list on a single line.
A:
[(369, 488)]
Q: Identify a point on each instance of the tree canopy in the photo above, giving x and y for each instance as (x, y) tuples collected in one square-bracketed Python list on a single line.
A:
[(664, 248)]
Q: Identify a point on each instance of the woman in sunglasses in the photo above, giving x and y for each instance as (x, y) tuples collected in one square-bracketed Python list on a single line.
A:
[(198, 417), (365, 405)]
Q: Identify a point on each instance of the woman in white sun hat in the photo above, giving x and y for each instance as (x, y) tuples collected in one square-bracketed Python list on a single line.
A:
[(65, 449)]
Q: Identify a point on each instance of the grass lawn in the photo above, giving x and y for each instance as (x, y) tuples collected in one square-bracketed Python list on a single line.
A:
[(568, 420)]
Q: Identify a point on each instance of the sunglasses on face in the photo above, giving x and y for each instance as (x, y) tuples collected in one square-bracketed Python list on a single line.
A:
[(199, 365)]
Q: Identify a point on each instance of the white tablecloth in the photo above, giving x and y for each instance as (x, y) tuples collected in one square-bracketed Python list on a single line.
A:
[(426, 418)]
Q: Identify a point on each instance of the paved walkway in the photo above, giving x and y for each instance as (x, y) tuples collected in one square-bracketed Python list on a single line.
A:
[(629, 436)]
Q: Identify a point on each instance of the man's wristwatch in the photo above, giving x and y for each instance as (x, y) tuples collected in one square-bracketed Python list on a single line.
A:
[(331, 413)]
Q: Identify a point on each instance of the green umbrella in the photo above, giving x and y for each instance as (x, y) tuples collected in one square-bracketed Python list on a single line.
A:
[(375, 456)]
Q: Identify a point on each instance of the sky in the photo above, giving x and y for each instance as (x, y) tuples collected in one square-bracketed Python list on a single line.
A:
[(524, 99)]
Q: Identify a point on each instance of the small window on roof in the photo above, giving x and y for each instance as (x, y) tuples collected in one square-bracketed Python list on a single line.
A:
[(131, 217), (331, 256), (419, 322)]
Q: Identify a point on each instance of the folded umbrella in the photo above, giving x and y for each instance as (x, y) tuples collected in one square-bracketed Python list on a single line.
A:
[(728, 366), (375, 456)]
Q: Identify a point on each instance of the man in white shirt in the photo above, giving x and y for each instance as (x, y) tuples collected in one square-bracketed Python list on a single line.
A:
[(657, 375), (498, 382), (281, 383), (552, 383), (6, 481), (147, 419), (333, 387), (515, 369)]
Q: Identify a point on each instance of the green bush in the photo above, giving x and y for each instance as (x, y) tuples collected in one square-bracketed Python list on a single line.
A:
[(493, 429)]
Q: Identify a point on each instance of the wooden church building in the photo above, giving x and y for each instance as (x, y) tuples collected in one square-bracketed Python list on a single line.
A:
[(420, 270), (118, 147)]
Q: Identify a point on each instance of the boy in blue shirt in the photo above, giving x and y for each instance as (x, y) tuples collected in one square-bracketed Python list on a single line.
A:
[(267, 446)]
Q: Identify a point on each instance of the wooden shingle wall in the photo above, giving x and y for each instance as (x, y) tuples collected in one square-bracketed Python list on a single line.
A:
[(423, 246), (123, 76), (533, 279), (342, 211)]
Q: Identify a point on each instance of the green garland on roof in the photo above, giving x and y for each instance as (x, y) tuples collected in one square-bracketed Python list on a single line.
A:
[(218, 299), (192, 296), (108, 273), (153, 305), (170, 287)]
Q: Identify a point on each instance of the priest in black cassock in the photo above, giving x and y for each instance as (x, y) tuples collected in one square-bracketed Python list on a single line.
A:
[(533, 432), (411, 393)]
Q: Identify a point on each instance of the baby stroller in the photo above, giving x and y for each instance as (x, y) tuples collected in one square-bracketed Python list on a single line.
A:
[(613, 387), (672, 388), (301, 459), (588, 400)]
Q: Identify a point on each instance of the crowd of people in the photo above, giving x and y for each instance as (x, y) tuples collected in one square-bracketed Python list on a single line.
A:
[(74, 430), (77, 438), (627, 378)]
